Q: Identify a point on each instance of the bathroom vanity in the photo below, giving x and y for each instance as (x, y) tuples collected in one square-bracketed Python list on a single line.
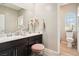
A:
[(14, 39), (19, 45)]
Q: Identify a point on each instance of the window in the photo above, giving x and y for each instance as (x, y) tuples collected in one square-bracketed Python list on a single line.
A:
[(70, 21), (70, 18)]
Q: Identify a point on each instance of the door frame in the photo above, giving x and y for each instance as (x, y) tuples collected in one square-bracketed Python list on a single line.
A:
[(58, 30)]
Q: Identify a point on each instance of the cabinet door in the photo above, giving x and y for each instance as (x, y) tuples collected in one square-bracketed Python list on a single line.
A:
[(8, 52), (21, 50), (38, 39), (5, 53), (35, 39)]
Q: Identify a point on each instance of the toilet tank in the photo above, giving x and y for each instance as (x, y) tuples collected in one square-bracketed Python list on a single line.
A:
[(69, 34)]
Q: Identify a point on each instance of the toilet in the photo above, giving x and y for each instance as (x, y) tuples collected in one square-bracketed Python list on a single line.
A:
[(69, 39)]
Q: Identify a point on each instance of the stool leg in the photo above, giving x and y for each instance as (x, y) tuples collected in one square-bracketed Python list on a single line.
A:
[(41, 53), (34, 54), (37, 54)]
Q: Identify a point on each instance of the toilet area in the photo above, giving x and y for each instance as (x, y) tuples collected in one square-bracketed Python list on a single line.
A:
[(71, 40), (68, 40)]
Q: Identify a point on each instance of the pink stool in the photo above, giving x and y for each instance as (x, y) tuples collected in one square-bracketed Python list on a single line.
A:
[(37, 49)]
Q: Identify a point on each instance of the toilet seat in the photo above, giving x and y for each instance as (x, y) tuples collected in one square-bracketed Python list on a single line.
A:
[(70, 39)]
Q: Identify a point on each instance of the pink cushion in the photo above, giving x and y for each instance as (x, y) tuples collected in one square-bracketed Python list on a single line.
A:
[(37, 47)]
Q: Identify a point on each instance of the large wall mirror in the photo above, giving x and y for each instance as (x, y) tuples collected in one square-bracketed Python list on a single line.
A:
[(2, 23), (11, 17)]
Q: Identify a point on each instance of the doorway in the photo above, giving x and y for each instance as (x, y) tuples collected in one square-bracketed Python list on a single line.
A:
[(68, 22)]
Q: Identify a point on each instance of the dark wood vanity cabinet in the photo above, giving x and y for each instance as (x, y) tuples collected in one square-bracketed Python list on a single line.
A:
[(21, 50), (35, 39), (8, 52), (19, 47)]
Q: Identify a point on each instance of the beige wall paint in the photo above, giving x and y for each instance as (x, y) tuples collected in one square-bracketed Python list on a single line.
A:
[(63, 10), (11, 18), (48, 12)]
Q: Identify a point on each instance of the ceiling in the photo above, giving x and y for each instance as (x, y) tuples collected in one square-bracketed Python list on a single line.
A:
[(10, 5), (18, 6)]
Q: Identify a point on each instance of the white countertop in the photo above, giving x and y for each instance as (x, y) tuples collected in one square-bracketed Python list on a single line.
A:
[(11, 38)]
